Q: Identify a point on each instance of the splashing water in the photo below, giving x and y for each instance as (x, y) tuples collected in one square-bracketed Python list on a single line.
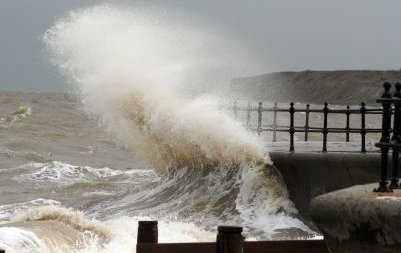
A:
[(132, 69), (129, 69), (21, 113)]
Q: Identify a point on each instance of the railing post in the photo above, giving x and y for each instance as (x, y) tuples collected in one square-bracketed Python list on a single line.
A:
[(385, 138), (147, 232), (325, 130), (292, 128), (274, 121), (248, 114), (307, 122), (260, 108), (396, 138), (347, 127), (229, 240), (363, 128), (235, 109)]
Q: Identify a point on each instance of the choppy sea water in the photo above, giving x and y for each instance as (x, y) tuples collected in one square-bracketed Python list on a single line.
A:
[(62, 171), (78, 171)]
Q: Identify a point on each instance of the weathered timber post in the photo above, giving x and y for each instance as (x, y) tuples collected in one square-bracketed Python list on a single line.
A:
[(385, 138), (347, 127), (235, 109), (274, 122), (325, 130), (396, 138), (229, 240), (248, 114), (147, 232), (260, 109), (363, 128), (307, 122), (292, 128)]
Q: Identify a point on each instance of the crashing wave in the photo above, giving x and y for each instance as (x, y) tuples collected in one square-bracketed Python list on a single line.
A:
[(51, 229)]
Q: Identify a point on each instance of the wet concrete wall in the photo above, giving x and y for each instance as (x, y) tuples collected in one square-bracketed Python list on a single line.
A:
[(311, 174)]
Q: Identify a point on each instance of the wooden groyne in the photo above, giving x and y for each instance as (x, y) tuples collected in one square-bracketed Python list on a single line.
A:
[(228, 240)]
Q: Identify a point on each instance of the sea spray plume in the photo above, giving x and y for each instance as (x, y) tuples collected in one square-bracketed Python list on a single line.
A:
[(129, 68), (193, 134)]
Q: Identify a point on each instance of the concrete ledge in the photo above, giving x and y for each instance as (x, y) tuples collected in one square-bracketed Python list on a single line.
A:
[(358, 220), (308, 175)]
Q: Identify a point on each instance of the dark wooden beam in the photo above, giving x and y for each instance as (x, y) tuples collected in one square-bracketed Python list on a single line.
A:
[(299, 246)]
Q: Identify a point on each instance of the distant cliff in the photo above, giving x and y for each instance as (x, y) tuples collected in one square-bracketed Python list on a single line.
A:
[(336, 87)]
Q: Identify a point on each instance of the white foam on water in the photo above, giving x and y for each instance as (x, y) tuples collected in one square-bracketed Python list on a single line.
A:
[(56, 229), (62, 174), (16, 240), (52, 229), (21, 113), (75, 219), (10, 210), (263, 201), (124, 234)]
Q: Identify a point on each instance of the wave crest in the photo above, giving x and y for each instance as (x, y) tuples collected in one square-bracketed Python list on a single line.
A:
[(75, 219), (133, 80)]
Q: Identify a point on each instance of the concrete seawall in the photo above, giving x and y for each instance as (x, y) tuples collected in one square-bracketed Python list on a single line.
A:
[(308, 175)]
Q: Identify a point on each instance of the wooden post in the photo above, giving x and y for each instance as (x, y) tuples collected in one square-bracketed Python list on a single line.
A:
[(347, 127), (260, 109), (292, 128), (307, 122), (229, 240), (325, 130), (275, 122), (363, 128), (248, 114), (147, 232), (385, 139)]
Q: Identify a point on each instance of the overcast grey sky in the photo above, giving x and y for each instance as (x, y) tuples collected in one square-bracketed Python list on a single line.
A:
[(286, 34)]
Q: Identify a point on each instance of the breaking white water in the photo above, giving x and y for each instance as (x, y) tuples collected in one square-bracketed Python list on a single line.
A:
[(78, 171)]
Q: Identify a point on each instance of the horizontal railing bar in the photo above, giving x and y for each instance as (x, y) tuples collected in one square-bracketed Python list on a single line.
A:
[(319, 130), (345, 111), (315, 128), (308, 131)]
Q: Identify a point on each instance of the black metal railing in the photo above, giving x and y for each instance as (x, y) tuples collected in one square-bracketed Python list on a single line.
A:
[(386, 143), (306, 128)]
